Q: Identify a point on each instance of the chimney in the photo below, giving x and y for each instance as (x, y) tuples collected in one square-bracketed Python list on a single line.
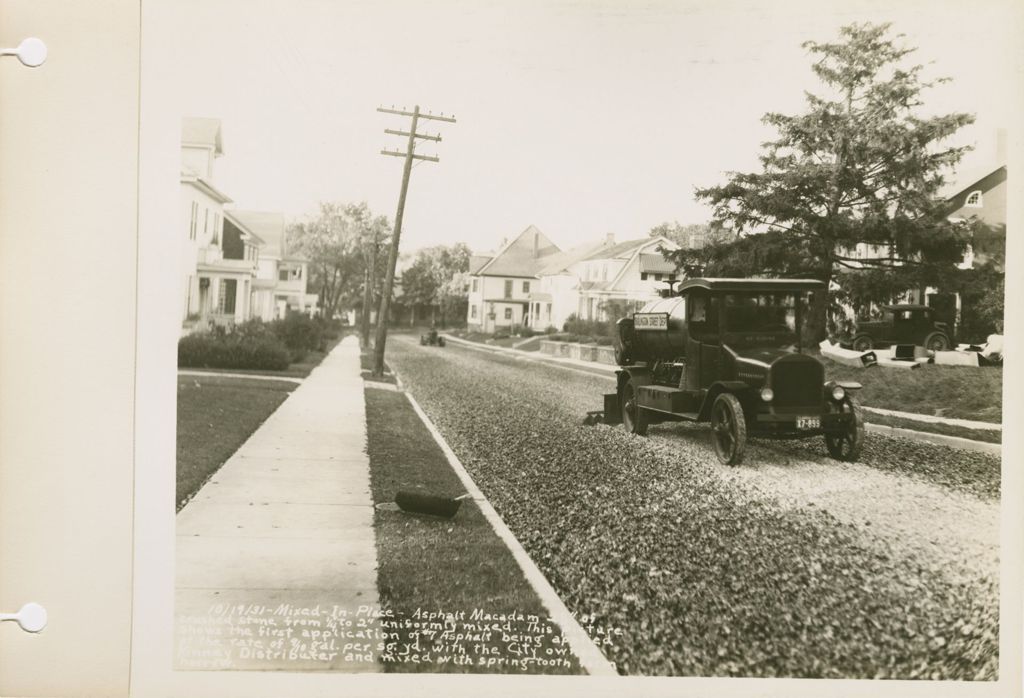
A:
[(536, 243), (1001, 146), (609, 239)]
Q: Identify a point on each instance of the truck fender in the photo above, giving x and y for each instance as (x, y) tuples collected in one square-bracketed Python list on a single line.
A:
[(641, 375), (737, 388)]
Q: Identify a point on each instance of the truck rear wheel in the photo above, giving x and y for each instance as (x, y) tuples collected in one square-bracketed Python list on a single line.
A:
[(634, 419), (936, 341), (847, 445), (728, 429), (863, 343)]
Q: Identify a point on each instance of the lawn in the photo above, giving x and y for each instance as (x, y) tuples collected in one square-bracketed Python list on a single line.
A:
[(215, 416), (434, 564), (944, 391)]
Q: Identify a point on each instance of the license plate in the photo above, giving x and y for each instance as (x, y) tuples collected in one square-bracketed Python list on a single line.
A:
[(808, 422)]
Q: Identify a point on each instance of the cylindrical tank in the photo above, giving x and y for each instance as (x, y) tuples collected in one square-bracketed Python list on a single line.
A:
[(656, 343)]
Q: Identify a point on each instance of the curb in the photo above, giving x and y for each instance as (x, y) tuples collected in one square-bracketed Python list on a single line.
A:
[(247, 376), (953, 422), (590, 657), (940, 439), (928, 437)]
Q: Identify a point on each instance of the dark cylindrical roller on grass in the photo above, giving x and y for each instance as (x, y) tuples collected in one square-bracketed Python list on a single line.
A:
[(415, 503)]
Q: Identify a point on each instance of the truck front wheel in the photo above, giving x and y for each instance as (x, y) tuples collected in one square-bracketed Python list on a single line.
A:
[(634, 419), (728, 429)]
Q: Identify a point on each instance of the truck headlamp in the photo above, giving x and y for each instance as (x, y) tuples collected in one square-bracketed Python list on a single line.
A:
[(767, 394), (838, 393)]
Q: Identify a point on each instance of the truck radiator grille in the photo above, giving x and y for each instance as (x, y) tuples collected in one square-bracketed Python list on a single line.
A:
[(797, 383)]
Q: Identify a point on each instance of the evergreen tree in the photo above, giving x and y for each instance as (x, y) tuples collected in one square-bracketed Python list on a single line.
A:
[(860, 166)]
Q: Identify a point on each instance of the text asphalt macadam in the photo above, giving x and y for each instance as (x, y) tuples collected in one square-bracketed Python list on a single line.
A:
[(288, 519)]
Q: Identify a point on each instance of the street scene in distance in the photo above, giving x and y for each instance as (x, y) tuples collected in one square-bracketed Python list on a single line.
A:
[(643, 352)]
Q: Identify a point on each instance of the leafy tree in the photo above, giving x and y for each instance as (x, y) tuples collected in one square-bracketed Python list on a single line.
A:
[(335, 241), (861, 165), (693, 235), (436, 278)]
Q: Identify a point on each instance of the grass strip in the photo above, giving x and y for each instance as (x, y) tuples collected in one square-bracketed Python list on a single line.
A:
[(215, 416), (959, 392), (433, 564)]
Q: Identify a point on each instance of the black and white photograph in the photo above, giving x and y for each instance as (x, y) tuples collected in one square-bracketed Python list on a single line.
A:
[(511, 348), (657, 339)]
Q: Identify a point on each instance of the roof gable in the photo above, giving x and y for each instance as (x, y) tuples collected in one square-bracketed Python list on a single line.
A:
[(975, 180), (206, 132), (620, 250), (559, 263), (525, 255), (267, 226)]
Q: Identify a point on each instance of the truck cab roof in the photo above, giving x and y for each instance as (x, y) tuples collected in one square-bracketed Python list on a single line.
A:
[(750, 285)]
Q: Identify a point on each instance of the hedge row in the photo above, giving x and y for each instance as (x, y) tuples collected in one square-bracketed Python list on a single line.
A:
[(209, 350), (255, 344)]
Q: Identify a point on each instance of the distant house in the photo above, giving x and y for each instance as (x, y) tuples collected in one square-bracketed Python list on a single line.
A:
[(280, 276), (601, 280), (531, 282), (983, 201), (216, 286), (500, 285)]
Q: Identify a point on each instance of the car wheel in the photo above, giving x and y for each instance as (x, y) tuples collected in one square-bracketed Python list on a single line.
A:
[(936, 341), (863, 343), (728, 429), (847, 445), (634, 418)]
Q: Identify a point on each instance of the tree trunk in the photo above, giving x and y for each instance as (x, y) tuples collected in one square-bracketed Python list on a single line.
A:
[(367, 301), (815, 327)]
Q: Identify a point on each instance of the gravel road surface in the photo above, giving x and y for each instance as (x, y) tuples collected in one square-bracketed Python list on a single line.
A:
[(790, 565)]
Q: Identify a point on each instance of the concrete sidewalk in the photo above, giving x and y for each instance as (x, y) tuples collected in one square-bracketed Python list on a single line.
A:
[(282, 532)]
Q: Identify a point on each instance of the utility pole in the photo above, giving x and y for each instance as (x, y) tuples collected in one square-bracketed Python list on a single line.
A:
[(409, 155)]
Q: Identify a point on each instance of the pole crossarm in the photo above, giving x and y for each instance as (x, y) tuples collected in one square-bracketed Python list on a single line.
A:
[(414, 156), (421, 115), (424, 136)]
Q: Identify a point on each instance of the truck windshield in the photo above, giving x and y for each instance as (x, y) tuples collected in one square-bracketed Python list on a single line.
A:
[(761, 313)]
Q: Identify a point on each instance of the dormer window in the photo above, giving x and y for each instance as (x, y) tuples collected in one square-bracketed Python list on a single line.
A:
[(974, 199)]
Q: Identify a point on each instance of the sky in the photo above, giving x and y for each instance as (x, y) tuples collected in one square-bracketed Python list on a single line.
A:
[(582, 117)]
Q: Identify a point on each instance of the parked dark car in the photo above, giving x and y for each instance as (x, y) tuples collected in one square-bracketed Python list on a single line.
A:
[(727, 351), (432, 338), (901, 324)]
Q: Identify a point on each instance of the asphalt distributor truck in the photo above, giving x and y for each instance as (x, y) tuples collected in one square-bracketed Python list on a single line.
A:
[(727, 351)]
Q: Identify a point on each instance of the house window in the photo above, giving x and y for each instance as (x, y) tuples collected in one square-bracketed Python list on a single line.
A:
[(226, 299), (643, 276), (526, 287), (472, 311), (282, 275), (974, 199), (508, 313), (193, 221), (549, 311), (508, 288), (206, 221), (474, 285)]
